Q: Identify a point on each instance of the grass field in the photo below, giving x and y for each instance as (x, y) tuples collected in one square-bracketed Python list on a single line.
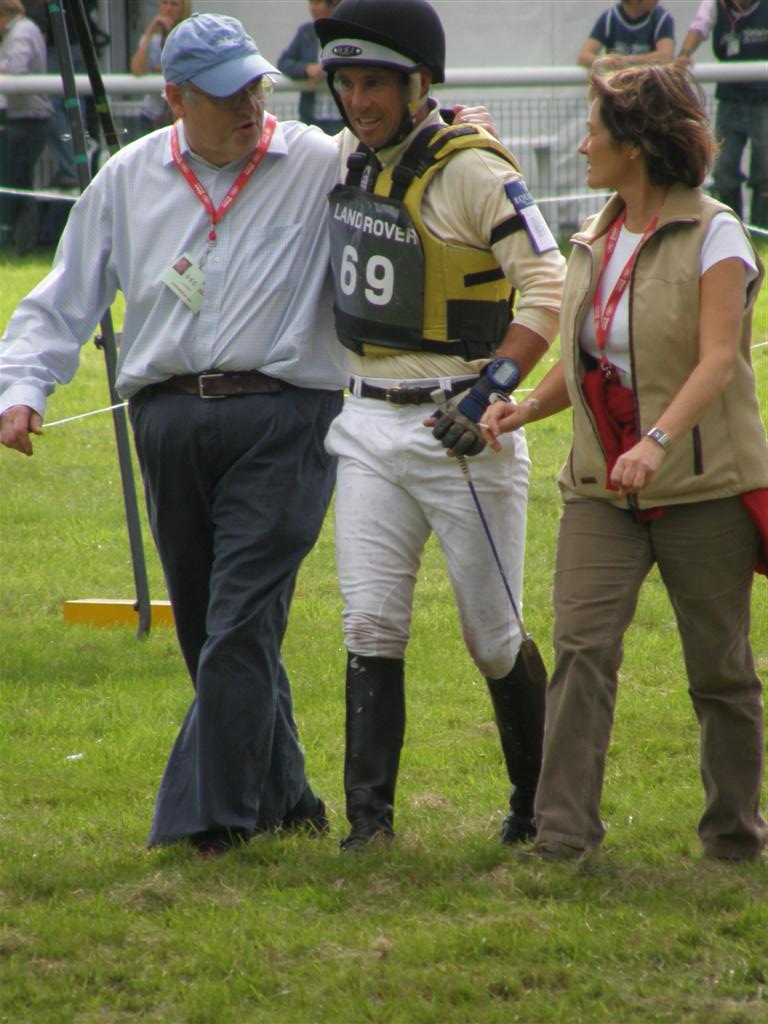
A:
[(445, 927)]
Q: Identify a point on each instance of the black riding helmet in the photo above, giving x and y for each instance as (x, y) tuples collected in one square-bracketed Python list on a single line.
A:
[(410, 28), (404, 35)]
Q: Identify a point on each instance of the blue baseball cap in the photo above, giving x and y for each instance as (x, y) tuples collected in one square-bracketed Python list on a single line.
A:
[(215, 53)]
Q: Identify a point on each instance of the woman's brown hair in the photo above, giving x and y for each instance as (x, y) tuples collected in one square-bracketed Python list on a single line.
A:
[(660, 109)]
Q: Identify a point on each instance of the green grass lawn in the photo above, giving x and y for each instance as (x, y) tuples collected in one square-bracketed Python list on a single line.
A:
[(447, 926)]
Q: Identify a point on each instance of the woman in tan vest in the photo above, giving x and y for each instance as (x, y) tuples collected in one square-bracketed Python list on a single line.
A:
[(668, 465)]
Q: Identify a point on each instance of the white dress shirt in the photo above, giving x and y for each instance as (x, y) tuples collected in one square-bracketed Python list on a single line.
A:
[(268, 293)]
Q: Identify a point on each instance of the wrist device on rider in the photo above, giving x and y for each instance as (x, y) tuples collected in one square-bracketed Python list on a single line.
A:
[(659, 437), (499, 377)]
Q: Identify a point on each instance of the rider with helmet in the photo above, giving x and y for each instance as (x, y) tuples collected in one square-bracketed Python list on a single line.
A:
[(433, 231)]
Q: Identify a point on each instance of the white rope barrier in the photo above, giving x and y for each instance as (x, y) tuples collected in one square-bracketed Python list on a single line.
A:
[(64, 197), (82, 415)]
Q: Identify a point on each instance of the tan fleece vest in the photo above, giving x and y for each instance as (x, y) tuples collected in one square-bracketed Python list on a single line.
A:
[(726, 453)]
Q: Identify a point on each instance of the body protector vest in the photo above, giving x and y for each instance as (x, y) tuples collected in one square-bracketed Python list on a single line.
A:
[(741, 36), (398, 286)]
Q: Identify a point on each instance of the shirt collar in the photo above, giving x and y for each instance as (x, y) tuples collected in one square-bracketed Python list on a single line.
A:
[(681, 204), (277, 146)]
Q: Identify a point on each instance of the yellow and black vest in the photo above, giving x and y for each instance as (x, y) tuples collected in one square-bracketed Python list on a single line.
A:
[(398, 286)]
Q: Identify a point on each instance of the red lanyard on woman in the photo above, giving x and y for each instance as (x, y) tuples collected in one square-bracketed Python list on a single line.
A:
[(267, 131), (604, 319)]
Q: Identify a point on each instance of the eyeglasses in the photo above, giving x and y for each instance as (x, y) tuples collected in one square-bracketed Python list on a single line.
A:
[(257, 91)]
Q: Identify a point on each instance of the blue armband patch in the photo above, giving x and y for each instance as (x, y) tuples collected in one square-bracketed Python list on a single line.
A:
[(536, 227)]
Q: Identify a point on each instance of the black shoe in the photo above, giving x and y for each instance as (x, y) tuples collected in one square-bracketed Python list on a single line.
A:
[(308, 816), (216, 842), (366, 837), (211, 849), (515, 829)]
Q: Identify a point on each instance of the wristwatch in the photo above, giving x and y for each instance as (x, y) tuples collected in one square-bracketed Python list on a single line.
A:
[(503, 374), (659, 437), (496, 381)]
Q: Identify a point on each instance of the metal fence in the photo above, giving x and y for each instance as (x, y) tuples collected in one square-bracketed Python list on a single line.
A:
[(543, 132), (539, 113)]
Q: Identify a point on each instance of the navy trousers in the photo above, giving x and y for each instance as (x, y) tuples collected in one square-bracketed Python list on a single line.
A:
[(236, 492)]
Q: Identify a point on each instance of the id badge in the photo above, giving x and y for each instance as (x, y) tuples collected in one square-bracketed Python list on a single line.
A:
[(732, 45), (536, 227), (186, 280)]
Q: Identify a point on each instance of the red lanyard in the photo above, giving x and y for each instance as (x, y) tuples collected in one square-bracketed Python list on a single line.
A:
[(735, 16), (267, 131), (604, 319)]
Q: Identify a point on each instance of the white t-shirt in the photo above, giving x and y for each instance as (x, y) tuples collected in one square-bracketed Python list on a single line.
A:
[(724, 240)]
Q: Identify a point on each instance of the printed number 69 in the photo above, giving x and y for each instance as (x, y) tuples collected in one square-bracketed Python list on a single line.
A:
[(379, 276)]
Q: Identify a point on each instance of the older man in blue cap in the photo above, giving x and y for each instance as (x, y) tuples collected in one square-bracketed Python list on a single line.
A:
[(214, 231)]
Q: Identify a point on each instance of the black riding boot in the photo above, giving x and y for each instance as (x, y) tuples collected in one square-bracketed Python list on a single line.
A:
[(375, 728), (518, 702)]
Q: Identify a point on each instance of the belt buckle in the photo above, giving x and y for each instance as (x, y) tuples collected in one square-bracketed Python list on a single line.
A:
[(201, 385), (402, 394), (390, 393)]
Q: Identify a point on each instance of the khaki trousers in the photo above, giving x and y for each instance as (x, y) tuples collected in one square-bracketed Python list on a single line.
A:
[(705, 553)]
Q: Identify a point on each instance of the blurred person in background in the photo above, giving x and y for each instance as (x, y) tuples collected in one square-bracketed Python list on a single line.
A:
[(668, 465), (155, 111), (59, 137), (22, 52), (739, 30), (300, 60), (633, 32)]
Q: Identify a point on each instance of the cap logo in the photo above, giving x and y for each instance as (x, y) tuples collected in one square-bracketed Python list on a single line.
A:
[(228, 44), (344, 50)]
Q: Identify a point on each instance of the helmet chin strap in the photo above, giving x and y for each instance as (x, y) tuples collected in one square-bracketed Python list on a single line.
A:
[(415, 101), (415, 97)]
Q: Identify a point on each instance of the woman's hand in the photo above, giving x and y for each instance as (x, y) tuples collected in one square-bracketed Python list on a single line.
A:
[(723, 290), (503, 417), (160, 23), (636, 468)]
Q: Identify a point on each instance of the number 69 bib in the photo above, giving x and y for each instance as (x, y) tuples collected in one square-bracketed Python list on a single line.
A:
[(378, 268)]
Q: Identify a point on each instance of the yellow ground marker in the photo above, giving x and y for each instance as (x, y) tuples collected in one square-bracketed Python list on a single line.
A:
[(96, 612)]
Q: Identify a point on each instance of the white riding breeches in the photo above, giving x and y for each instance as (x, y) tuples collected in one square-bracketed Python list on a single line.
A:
[(395, 485)]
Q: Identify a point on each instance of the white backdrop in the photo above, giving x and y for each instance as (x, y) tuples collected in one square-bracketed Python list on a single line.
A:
[(479, 32)]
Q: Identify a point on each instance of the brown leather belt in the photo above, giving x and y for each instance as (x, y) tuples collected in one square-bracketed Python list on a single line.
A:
[(408, 394), (216, 385)]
